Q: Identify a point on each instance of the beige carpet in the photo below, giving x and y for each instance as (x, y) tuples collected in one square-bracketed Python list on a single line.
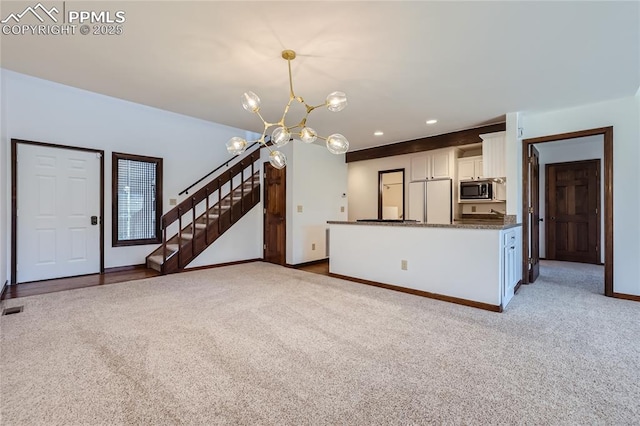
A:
[(261, 344)]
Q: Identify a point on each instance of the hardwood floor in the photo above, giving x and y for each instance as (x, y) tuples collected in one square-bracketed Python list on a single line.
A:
[(110, 277), (60, 284), (321, 268)]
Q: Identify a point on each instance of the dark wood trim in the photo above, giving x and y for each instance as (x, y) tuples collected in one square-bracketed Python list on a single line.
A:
[(14, 198), (380, 189), (626, 296), (461, 137), (607, 133), (517, 287), (14, 210), (220, 265), (305, 264), (115, 156), (456, 300)]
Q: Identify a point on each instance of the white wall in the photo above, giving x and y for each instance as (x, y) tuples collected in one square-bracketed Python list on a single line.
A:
[(44, 111), (624, 116), (363, 186), (316, 181), (588, 148)]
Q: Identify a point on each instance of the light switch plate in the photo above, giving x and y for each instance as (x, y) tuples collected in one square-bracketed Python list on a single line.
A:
[(172, 201), (299, 209)]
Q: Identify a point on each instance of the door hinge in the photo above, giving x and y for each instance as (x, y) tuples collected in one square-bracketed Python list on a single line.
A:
[(596, 210), (530, 261), (531, 160), (264, 247), (530, 209), (264, 211)]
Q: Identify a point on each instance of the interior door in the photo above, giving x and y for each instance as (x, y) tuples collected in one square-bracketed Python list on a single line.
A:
[(275, 225), (58, 209), (573, 217), (534, 213)]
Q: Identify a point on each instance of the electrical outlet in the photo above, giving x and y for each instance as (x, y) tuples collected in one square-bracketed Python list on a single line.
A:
[(172, 201), (341, 209), (313, 246), (403, 265), (299, 209), (473, 209)]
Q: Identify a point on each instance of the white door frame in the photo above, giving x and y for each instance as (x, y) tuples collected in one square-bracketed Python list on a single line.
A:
[(15, 195)]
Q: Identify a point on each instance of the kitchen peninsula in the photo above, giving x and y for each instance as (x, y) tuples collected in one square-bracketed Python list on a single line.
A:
[(475, 264)]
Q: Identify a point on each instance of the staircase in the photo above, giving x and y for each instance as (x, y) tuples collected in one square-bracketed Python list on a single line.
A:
[(202, 218)]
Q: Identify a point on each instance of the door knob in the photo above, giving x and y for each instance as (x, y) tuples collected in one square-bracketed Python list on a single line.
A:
[(94, 220)]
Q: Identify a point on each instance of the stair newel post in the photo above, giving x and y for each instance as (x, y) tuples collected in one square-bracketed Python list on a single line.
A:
[(230, 175), (219, 206), (179, 236), (164, 244), (242, 187), (193, 227), (206, 217)]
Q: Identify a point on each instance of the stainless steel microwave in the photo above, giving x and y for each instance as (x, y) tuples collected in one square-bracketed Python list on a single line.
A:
[(476, 190)]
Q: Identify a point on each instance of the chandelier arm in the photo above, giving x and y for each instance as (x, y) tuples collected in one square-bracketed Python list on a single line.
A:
[(286, 110), (311, 108)]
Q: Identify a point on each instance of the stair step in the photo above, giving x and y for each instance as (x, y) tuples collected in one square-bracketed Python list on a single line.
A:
[(201, 225), (187, 236)]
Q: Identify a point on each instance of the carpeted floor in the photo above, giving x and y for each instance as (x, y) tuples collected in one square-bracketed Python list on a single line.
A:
[(261, 344)]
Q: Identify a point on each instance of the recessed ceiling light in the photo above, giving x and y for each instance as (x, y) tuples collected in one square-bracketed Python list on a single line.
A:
[(432, 121), (378, 133)]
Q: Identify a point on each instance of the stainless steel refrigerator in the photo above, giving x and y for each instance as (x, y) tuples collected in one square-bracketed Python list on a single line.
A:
[(430, 201)]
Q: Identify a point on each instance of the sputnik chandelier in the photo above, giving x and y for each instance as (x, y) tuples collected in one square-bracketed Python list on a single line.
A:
[(282, 134)]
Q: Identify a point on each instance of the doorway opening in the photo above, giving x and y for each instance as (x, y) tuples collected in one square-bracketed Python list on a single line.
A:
[(569, 228)]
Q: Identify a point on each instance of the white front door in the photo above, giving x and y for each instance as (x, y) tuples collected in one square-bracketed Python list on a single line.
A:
[(58, 194)]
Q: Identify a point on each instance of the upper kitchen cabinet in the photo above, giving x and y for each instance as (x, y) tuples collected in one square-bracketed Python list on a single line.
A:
[(470, 168), (436, 164), (493, 154)]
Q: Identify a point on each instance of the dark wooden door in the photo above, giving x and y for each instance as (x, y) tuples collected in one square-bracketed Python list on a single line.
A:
[(573, 211), (534, 213), (275, 214)]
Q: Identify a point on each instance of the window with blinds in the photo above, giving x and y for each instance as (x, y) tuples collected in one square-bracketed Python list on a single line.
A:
[(137, 199)]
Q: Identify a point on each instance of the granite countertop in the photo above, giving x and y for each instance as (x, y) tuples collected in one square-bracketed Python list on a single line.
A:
[(462, 224)]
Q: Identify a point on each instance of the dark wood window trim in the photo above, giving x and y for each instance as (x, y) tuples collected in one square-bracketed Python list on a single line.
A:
[(607, 133), (115, 242), (381, 173), (14, 199)]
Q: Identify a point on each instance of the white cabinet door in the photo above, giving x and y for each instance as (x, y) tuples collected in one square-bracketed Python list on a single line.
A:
[(509, 266), (470, 168), (493, 153), (440, 165), (466, 169), (420, 167), (477, 168), (417, 201)]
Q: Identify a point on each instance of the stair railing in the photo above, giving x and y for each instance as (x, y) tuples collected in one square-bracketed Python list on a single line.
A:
[(216, 185), (249, 149)]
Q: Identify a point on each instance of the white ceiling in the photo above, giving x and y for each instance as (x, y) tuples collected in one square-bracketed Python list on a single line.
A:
[(400, 63)]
